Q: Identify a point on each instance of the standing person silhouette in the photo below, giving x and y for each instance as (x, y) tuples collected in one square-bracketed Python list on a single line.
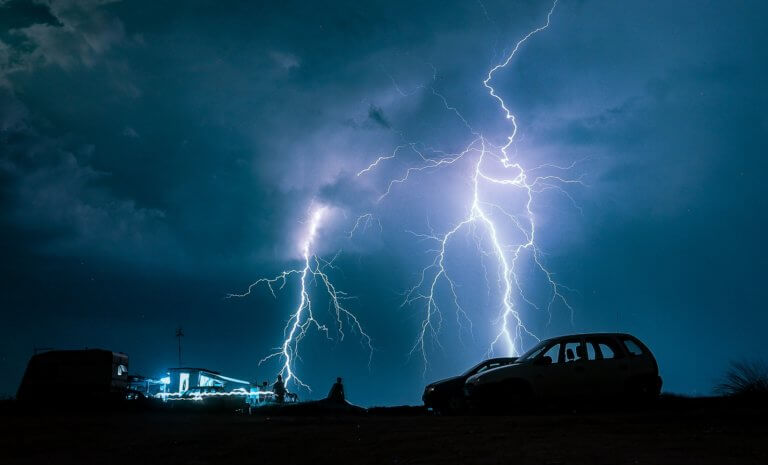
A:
[(337, 392), (279, 389)]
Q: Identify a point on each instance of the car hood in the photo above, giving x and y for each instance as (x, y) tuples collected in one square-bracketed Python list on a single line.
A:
[(500, 372), (447, 381)]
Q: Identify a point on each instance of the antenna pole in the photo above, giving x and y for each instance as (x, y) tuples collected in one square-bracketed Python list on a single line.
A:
[(179, 335)]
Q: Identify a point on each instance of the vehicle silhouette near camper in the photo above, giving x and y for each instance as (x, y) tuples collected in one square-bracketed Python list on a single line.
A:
[(66, 376)]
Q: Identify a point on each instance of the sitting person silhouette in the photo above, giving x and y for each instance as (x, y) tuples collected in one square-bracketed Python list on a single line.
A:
[(581, 353), (337, 392)]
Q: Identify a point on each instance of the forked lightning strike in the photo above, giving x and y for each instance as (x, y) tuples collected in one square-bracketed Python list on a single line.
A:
[(484, 213), (303, 317)]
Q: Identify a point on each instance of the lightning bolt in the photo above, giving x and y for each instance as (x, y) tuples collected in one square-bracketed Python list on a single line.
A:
[(363, 222), (491, 218), (303, 318)]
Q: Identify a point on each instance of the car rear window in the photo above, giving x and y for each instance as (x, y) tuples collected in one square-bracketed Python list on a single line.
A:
[(632, 347)]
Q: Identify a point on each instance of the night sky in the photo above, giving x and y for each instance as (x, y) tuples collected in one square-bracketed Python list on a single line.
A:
[(156, 156)]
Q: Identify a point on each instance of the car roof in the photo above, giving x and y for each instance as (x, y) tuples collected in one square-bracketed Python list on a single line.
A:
[(571, 336)]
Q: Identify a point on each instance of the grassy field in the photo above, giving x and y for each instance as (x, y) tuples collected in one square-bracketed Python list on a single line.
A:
[(688, 433)]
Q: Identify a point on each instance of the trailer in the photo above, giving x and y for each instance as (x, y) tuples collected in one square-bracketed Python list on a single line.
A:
[(67, 376)]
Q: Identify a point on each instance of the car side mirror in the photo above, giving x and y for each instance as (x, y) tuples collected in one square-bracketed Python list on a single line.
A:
[(545, 360)]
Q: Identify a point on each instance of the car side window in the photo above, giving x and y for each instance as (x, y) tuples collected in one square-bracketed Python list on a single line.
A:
[(573, 351), (591, 351), (606, 351), (607, 348), (553, 353), (632, 347)]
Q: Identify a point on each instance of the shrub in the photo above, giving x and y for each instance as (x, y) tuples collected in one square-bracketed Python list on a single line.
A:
[(744, 378)]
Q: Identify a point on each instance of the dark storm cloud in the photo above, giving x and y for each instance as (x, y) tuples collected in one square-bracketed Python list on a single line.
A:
[(54, 188), (170, 154), (376, 114), (61, 32), (20, 13)]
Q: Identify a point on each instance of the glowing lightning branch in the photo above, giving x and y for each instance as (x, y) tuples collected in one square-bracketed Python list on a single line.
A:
[(485, 215), (303, 317), (363, 222)]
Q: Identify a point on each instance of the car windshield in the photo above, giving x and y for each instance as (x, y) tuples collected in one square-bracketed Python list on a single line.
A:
[(474, 369), (534, 352), (489, 365)]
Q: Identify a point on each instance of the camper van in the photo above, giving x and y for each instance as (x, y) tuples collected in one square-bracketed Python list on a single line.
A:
[(64, 376)]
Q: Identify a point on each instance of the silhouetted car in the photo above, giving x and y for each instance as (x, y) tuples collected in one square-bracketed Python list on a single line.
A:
[(447, 395), (581, 367)]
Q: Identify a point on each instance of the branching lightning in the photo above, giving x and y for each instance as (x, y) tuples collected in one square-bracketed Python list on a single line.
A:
[(490, 218), (303, 318), (363, 222), (507, 237)]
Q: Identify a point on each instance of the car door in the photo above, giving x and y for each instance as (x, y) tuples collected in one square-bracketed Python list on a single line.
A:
[(639, 359), (575, 370), (609, 369), (545, 372), (563, 378)]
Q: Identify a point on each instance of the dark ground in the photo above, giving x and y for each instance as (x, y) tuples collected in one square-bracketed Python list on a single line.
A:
[(677, 432)]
